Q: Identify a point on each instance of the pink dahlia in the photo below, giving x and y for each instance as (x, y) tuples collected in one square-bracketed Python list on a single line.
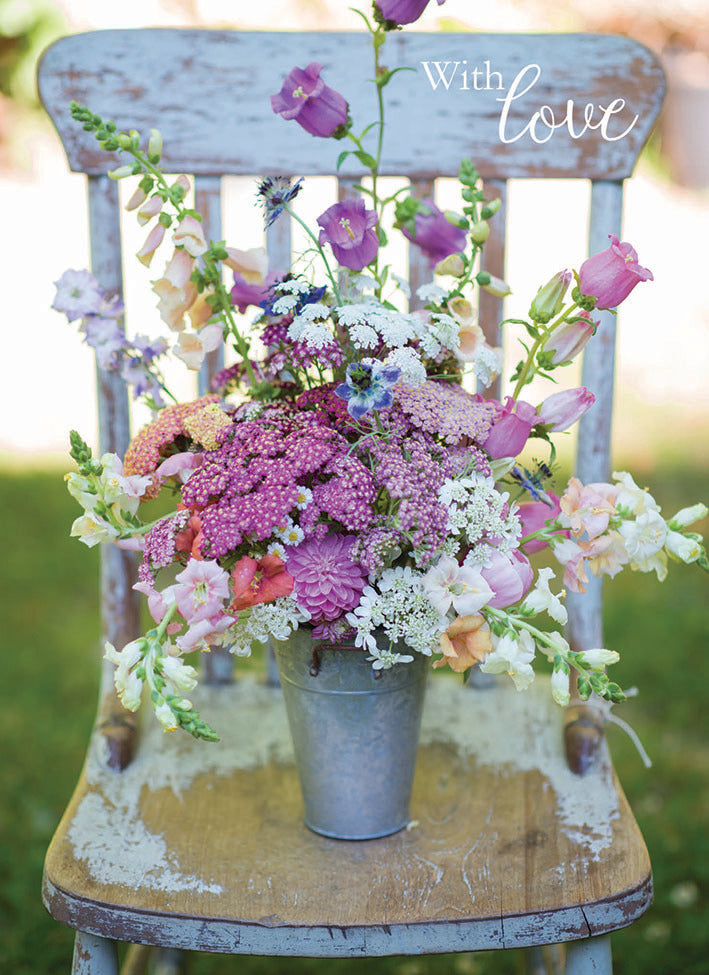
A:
[(327, 582)]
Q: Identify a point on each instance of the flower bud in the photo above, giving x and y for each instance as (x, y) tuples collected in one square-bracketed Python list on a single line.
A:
[(155, 145), (684, 547), (549, 300), (562, 409), (138, 197), (124, 141), (480, 231), (121, 172), (456, 219), (152, 242), (493, 286), (491, 208), (686, 516), (560, 687), (149, 210), (599, 657), (567, 339), (452, 265)]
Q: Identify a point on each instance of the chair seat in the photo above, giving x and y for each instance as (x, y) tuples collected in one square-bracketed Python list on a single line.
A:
[(203, 847)]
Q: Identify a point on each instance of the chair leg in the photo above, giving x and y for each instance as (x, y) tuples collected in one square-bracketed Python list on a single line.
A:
[(94, 955), (589, 956)]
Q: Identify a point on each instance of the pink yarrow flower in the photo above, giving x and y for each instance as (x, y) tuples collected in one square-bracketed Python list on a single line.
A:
[(305, 97), (610, 276), (202, 588), (348, 228)]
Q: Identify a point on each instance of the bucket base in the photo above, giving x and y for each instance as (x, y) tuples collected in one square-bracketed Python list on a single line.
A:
[(353, 839)]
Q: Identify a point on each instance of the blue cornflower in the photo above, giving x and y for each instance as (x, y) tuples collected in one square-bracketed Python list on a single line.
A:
[(274, 193), (368, 387)]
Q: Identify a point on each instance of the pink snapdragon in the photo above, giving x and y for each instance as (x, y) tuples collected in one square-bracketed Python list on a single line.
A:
[(305, 97), (561, 410), (610, 276), (201, 590), (587, 509), (259, 581)]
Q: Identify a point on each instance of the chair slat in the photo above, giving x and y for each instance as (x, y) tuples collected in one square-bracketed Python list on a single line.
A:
[(585, 626), (208, 202), (419, 270), (493, 261), (232, 128)]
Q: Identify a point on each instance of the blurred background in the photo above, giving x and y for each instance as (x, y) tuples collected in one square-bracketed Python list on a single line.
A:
[(661, 432)]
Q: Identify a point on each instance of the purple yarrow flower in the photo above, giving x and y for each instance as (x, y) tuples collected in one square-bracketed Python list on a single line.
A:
[(78, 295), (348, 228), (403, 11), (305, 97), (327, 582), (435, 235), (368, 387)]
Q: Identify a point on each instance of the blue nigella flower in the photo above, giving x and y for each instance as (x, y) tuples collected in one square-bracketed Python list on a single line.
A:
[(368, 387), (533, 482), (310, 298), (274, 193)]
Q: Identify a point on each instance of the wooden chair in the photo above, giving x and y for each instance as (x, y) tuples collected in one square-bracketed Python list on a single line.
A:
[(173, 843)]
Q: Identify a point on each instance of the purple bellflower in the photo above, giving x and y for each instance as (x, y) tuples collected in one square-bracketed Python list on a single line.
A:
[(403, 11), (305, 97), (435, 235), (348, 228)]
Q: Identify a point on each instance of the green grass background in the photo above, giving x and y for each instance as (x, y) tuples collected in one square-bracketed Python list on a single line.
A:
[(49, 655)]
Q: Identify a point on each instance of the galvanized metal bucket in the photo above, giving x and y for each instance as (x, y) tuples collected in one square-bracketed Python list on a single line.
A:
[(355, 734)]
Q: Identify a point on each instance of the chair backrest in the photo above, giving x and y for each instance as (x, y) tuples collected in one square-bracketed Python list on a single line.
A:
[(521, 105)]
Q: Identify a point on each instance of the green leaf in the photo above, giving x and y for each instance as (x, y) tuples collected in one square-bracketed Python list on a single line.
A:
[(341, 158), (364, 157)]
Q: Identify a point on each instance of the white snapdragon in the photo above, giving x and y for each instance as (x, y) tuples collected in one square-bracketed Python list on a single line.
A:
[(542, 599), (632, 498), (117, 488), (687, 516), (128, 685), (645, 536), (512, 655), (80, 489), (599, 657), (91, 530), (560, 686), (182, 676), (684, 547)]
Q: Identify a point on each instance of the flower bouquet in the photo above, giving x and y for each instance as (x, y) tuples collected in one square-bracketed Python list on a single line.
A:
[(342, 486)]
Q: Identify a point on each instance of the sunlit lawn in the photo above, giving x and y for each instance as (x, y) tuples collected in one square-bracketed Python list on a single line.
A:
[(49, 656)]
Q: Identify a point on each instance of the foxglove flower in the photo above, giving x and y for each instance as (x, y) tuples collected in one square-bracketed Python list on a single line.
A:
[(348, 228), (305, 97), (561, 410), (403, 11), (610, 276), (567, 339), (368, 387), (510, 428), (435, 235)]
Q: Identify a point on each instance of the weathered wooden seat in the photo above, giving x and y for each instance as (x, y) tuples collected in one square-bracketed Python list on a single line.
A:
[(202, 847)]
